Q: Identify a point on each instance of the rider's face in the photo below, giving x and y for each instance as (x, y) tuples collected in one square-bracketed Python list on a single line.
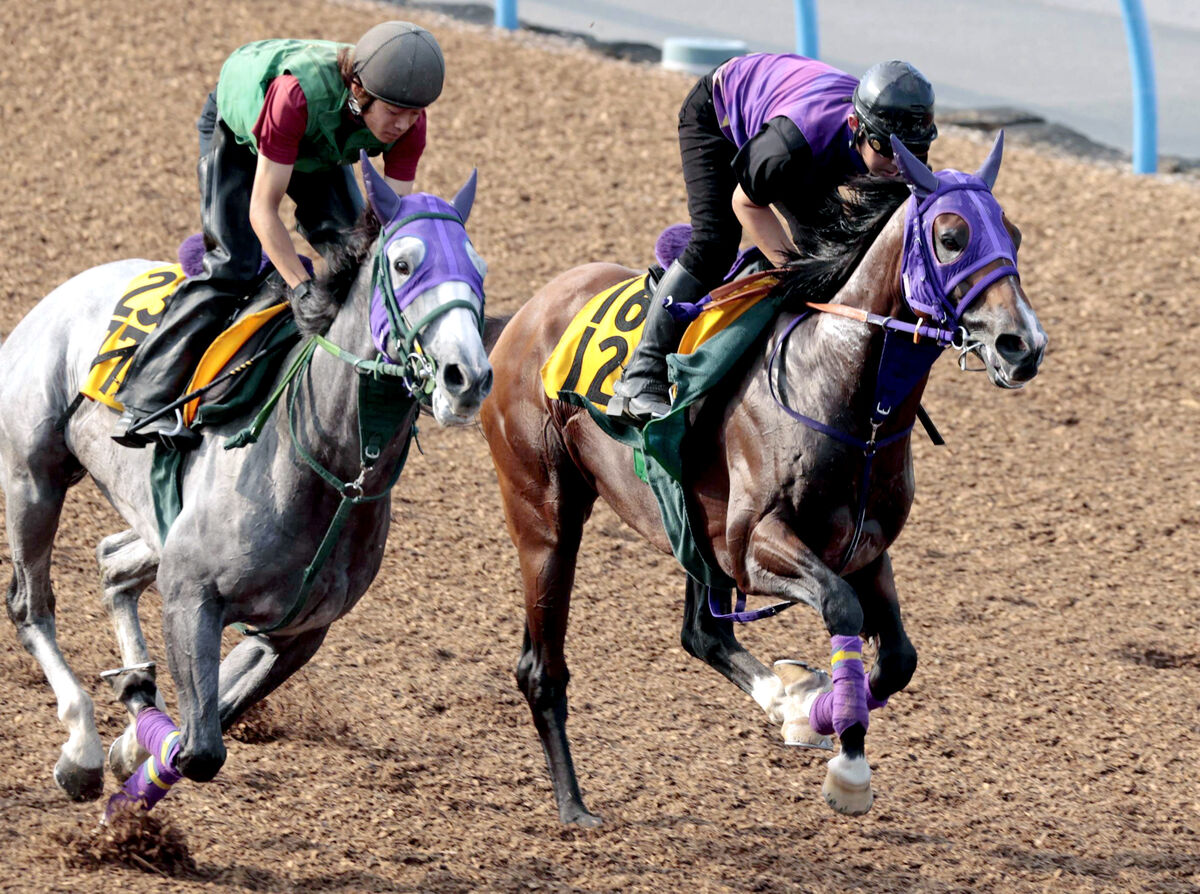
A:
[(387, 122), (876, 162)]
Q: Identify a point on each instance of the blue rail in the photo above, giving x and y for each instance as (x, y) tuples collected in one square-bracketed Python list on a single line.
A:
[(1145, 100), (806, 29), (1141, 63), (506, 14)]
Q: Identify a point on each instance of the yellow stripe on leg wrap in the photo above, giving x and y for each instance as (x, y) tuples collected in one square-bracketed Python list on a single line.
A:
[(164, 752), (845, 656)]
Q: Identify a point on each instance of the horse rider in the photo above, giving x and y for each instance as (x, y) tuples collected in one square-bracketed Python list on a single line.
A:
[(762, 130), (287, 116)]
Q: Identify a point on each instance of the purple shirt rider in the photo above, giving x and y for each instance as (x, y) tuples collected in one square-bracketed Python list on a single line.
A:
[(787, 116)]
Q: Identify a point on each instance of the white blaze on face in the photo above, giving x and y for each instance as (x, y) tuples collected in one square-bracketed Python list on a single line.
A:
[(452, 339)]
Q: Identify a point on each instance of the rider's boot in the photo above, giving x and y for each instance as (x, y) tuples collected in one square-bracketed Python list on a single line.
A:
[(202, 305), (168, 430), (643, 393)]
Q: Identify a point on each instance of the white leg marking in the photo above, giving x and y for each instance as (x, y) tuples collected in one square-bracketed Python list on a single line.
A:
[(768, 692), (75, 708), (847, 787)]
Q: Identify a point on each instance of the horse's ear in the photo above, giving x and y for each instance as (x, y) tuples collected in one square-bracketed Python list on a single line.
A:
[(465, 197), (384, 201), (991, 166), (914, 171)]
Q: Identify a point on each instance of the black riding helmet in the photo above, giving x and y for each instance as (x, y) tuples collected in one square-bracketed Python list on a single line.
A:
[(894, 98), (401, 64)]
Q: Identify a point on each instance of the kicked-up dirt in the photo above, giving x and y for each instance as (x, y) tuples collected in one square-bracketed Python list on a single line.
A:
[(1049, 741)]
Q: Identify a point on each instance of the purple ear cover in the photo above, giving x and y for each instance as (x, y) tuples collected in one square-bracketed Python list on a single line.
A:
[(991, 165), (914, 171), (384, 201)]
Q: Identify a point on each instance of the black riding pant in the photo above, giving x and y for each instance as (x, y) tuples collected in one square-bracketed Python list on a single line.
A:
[(327, 203), (708, 173)]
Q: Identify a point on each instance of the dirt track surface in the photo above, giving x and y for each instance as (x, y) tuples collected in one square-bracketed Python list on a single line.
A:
[(1050, 739)]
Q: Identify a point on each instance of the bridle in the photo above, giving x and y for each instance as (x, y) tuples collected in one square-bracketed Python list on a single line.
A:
[(420, 370), (929, 291), (382, 412)]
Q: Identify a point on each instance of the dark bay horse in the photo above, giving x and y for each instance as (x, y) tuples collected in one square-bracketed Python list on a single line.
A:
[(313, 492), (775, 459)]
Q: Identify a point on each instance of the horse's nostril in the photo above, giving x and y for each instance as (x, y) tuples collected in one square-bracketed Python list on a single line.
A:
[(1012, 348), (453, 379), (485, 384)]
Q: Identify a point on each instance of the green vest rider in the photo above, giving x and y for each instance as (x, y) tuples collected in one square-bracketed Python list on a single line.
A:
[(288, 117)]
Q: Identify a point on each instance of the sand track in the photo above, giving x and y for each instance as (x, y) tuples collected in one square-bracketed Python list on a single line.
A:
[(1051, 736)]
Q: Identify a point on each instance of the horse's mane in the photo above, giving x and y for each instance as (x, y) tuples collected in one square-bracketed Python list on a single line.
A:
[(845, 226), (315, 312)]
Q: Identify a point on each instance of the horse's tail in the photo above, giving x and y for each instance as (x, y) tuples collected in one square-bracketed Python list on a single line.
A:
[(492, 327)]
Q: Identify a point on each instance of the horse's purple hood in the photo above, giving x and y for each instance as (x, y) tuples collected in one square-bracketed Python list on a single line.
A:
[(928, 282), (437, 223)]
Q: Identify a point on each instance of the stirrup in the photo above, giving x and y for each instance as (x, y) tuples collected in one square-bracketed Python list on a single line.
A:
[(637, 408), (168, 430), (123, 436)]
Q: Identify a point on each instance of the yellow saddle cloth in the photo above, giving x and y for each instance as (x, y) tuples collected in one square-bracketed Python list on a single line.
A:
[(594, 348), (137, 314)]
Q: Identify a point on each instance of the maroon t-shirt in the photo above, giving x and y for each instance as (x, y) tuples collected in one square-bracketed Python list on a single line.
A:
[(284, 116)]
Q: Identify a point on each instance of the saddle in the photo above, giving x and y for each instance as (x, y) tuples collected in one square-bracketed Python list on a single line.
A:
[(587, 362), (260, 333), (604, 333)]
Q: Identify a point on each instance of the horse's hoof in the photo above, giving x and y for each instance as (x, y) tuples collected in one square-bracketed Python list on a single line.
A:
[(798, 734), (125, 755), (847, 786), (581, 818), (799, 679), (801, 685), (78, 783)]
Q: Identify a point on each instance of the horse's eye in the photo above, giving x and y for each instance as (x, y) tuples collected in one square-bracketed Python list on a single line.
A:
[(950, 241), (401, 267)]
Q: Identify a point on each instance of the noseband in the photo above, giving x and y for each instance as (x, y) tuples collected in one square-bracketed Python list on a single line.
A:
[(420, 371)]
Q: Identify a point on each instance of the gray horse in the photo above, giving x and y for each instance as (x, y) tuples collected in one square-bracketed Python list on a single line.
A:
[(252, 519)]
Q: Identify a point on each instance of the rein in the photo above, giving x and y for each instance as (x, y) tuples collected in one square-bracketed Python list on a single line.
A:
[(382, 411), (926, 289), (380, 417)]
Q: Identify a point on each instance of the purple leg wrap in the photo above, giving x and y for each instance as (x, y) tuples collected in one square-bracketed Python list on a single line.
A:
[(153, 779), (850, 699)]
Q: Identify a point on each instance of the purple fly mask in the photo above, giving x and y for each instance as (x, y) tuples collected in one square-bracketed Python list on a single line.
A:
[(929, 283), (448, 256)]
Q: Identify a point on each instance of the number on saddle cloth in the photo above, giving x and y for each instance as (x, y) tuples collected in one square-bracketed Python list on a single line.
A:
[(139, 311)]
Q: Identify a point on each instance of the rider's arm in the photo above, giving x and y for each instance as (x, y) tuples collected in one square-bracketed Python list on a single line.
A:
[(763, 227), (767, 167), (401, 187), (270, 184), (400, 161)]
